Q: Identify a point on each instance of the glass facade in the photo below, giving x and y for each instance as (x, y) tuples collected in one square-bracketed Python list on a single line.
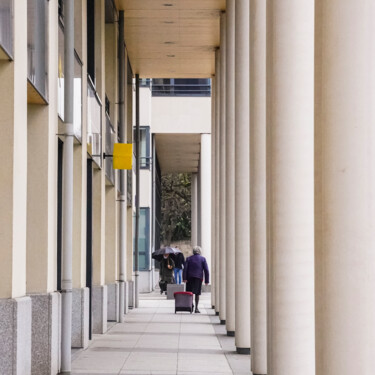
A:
[(144, 146), (181, 87), (6, 26), (77, 110), (144, 251), (94, 125), (37, 45)]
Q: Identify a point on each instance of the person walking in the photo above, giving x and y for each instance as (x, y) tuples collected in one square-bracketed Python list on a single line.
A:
[(179, 265), (195, 266), (166, 272)]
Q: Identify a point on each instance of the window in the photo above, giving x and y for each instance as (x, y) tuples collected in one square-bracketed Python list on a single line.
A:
[(110, 137), (77, 105), (144, 240), (6, 28), (181, 87), (37, 45), (94, 125), (144, 146), (91, 39), (129, 180)]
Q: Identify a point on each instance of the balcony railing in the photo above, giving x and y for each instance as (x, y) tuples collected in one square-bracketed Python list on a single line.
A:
[(94, 125), (6, 27), (37, 45)]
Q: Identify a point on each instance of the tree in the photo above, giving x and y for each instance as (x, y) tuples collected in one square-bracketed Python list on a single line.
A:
[(175, 207)]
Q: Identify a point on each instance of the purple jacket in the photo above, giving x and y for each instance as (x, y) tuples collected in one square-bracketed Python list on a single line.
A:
[(195, 266)]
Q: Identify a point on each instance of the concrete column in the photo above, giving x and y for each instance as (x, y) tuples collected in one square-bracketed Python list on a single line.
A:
[(205, 196), (81, 296), (99, 290), (15, 309), (290, 189), (258, 227), (230, 170), (222, 170), (217, 180), (199, 215), (345, 186), (242, 172), (111, 254), (42, 212), (194, 209), (213, 192)]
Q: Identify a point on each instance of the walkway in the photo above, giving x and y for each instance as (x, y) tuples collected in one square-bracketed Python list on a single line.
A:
[(153, 340)]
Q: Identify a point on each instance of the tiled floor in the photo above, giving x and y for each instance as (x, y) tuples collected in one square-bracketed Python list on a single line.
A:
[(154, 340)]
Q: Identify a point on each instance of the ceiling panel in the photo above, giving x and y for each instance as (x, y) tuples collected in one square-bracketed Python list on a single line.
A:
[(172, 38), (178, 152)]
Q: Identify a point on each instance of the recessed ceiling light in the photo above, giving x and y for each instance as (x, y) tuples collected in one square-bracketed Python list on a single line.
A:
[(168, 5), (169, 42), (168, 22), (171, 55)]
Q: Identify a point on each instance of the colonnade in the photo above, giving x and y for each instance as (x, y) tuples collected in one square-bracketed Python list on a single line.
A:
[(293, 187)]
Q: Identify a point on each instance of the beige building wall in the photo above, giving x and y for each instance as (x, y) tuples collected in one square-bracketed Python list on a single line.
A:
[(181, 115), (42, 176), (13, 168)]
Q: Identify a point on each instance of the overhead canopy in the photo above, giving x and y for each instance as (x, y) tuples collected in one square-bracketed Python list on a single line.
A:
[(172, 38), (178, 152)]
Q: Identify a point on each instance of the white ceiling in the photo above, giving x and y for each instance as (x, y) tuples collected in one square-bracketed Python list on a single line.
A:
[(178, 153), (172, 38)]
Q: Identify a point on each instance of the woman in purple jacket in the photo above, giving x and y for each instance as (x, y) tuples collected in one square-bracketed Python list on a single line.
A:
[(194, 268)]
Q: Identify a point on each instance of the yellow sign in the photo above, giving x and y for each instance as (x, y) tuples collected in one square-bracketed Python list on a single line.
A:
[(122, 156)]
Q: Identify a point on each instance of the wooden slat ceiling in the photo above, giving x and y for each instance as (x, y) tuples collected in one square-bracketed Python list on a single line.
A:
[(172, 38), (178, 153)]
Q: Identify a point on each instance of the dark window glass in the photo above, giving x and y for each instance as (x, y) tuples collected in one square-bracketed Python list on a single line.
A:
[(37, 45), (144, 239), (77, 103), (144, 146), (181, 87), (110, 138), (6, 27), (91, 39), (94, 125)]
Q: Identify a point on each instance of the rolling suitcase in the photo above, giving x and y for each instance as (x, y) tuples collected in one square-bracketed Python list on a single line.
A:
[(183, 301)]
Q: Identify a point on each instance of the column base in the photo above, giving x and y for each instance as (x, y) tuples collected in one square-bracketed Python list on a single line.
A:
[(45, 335), (222, 322), (245, 351), (230, 333), (15, 334), (217, 313), (80, 317), (113, 310), (99, 309)]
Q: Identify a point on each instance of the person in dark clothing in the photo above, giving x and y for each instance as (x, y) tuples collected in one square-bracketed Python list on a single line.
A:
[(166, 272), (179, 265), (194, 268)]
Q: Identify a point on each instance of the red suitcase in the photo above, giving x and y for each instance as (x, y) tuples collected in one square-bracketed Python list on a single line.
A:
[(183, 301)]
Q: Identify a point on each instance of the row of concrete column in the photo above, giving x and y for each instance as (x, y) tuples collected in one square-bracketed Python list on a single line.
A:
[(293, 187)]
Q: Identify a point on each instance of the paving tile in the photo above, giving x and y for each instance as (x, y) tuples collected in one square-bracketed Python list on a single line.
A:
[(151, 362), (205, 363), (155, 340), (100, 361), (239, 363)]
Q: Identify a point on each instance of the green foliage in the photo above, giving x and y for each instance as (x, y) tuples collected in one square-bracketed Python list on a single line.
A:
[(175, 207)]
